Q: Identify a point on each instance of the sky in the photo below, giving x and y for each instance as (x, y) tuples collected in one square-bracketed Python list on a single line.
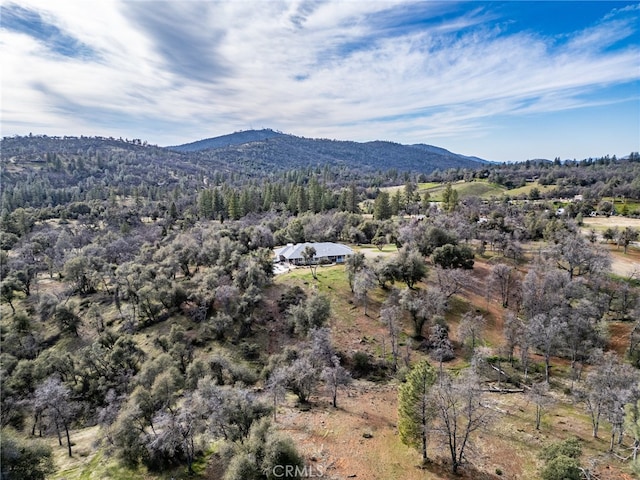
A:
[(505, 81)]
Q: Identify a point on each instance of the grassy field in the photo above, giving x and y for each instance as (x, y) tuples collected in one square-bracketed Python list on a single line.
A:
[(526, 189), (477, 188)]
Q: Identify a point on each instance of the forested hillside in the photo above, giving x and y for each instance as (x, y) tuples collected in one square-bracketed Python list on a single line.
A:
[(145, 334)]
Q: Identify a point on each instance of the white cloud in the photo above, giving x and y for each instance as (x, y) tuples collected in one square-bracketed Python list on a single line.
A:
[(331, 69)]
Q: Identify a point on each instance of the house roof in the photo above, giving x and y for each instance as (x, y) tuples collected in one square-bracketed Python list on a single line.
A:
[(323, 249)]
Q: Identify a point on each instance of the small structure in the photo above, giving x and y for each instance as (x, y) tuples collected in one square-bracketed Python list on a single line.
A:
[(326, 252)]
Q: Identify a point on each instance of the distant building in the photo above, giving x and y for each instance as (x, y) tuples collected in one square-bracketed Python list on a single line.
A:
[(326, 252)]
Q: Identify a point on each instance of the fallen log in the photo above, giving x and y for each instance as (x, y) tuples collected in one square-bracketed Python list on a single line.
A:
[(503, 390)]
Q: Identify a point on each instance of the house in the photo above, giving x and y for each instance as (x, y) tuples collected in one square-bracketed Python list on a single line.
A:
[(326, 252)]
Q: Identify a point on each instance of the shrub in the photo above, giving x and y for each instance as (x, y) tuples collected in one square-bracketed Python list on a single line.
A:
[(242, 467), (279, 451), (24, 459), (562, 460), (292, 296), (250, 351), (562, 468), (361, 363), (569, 448)]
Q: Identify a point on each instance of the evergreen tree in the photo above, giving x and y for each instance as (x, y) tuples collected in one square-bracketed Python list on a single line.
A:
[(302, 200), (315, 196), (233, 203), (395, 202), (382, 207), (449, 198), (415, 408)]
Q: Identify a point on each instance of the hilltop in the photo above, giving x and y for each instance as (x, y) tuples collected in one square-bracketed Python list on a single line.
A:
[(278, 150)]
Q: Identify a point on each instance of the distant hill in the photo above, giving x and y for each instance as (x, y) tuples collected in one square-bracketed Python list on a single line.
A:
[(237, 138), (101, 164), (442, 151), (266, 150)]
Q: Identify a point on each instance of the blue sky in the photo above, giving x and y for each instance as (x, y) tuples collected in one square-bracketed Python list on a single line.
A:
[(501, 80)]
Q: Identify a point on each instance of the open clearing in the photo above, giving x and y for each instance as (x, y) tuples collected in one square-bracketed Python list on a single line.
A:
[(602, 223), (624, 265)]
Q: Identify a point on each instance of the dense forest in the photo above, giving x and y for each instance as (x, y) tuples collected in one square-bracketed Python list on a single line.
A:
[(144, 331)]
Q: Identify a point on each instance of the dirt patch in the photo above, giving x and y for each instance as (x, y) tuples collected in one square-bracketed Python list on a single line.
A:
[(625, 265), (619, 333), (360, 440)]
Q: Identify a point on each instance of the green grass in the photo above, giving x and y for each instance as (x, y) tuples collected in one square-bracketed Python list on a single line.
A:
[(427, 186), (526, 189), (387, 248), (332, 282), (477, 188), (102, 466), (486, 190), (99, 467)]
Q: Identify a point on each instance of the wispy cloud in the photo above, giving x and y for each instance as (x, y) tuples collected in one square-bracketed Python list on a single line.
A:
[(31, 23), (399, 70)]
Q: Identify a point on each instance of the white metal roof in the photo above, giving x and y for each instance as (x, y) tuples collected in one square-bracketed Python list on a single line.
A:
[(323, 249)]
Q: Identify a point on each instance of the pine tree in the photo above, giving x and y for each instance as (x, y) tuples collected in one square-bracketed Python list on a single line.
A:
[(449, 198), (382, 207), (415, 408), (352, 199)]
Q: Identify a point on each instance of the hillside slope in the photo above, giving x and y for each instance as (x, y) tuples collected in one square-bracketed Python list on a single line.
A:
[(267, 149)]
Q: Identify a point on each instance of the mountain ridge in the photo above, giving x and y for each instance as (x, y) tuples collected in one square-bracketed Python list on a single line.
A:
[(242, 137), (278, 149)]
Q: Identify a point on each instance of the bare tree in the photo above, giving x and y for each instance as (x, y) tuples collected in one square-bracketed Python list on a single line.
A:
[(544, 289), (178, 432), (634, 335), (458, 402), (308, 254), (545, 334), (363, 282), (423, 305), (302, 378), (276, 385), (632, 425), (391, 316), (626, 237), (538, 394), (581, 334), (577, 256), (335, 377), (320, 347), (451, 280), (352, 266), (470, 328), (230, 411), (440, 347), (607, 389), (513, 331), (54, 399), (503, 278)]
